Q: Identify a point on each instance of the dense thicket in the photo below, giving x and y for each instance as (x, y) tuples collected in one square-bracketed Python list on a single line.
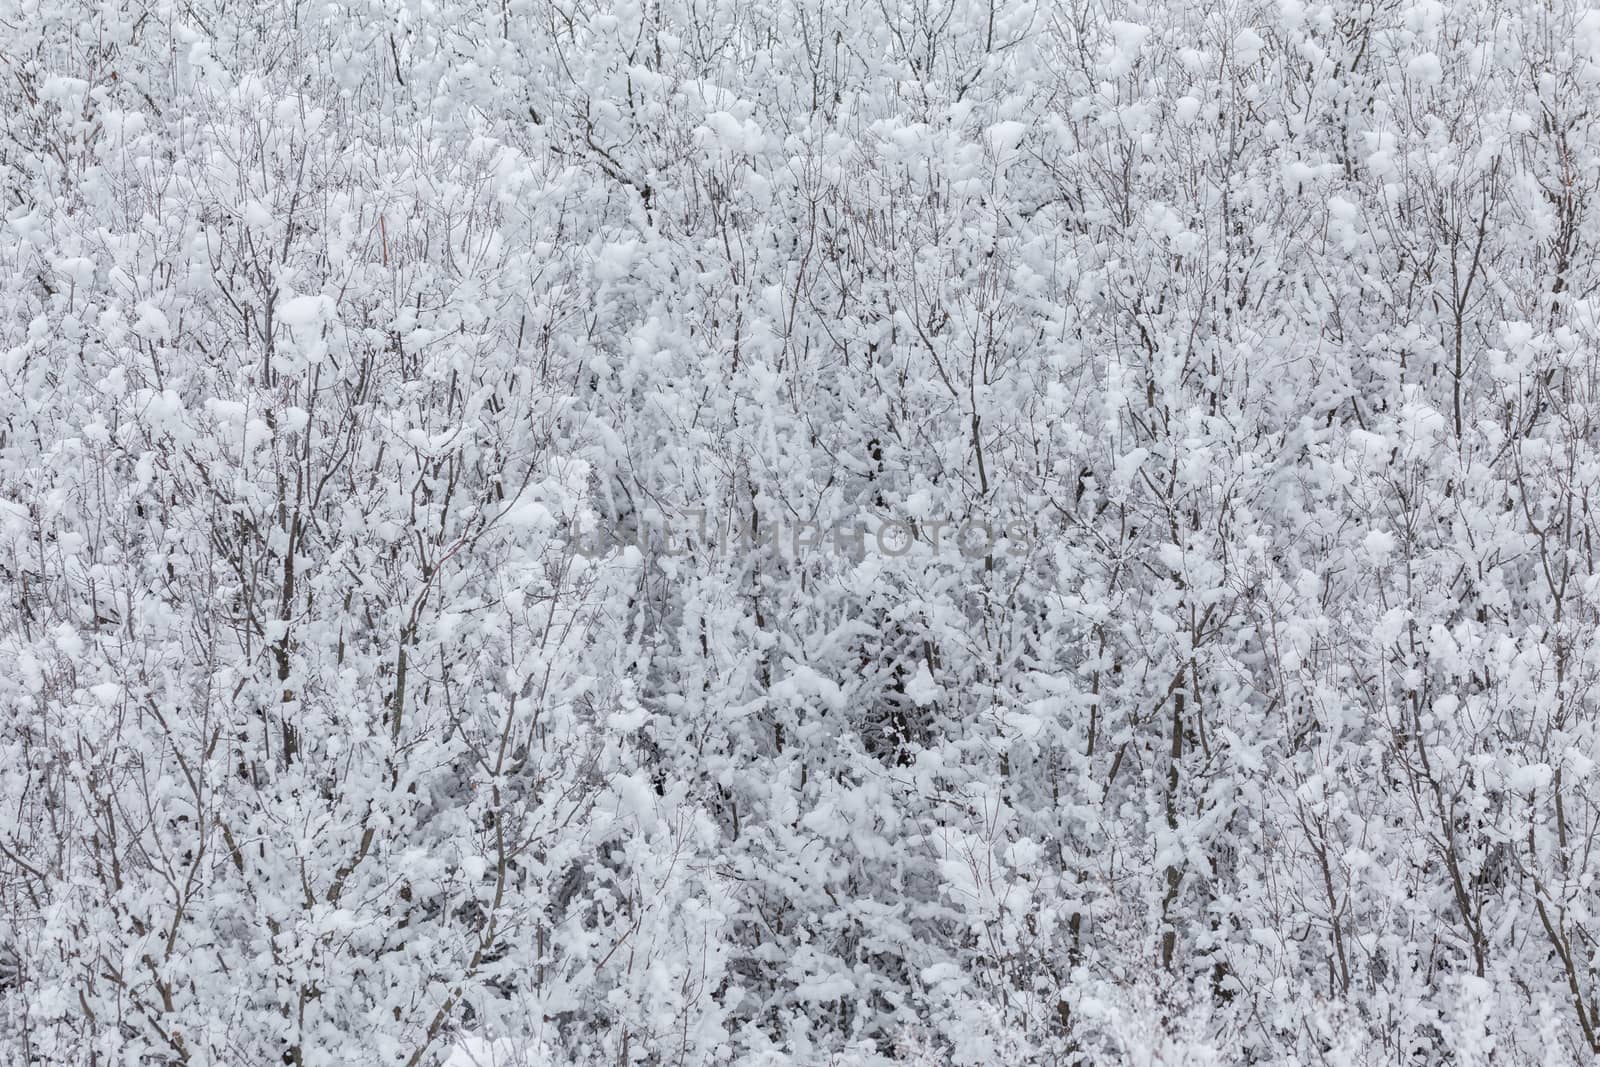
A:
[(368, 697)]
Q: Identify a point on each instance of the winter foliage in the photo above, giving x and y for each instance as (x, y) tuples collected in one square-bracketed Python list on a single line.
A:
[(372, 691)]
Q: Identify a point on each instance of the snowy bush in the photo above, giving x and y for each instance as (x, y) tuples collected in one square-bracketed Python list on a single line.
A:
[(1257, 344)]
